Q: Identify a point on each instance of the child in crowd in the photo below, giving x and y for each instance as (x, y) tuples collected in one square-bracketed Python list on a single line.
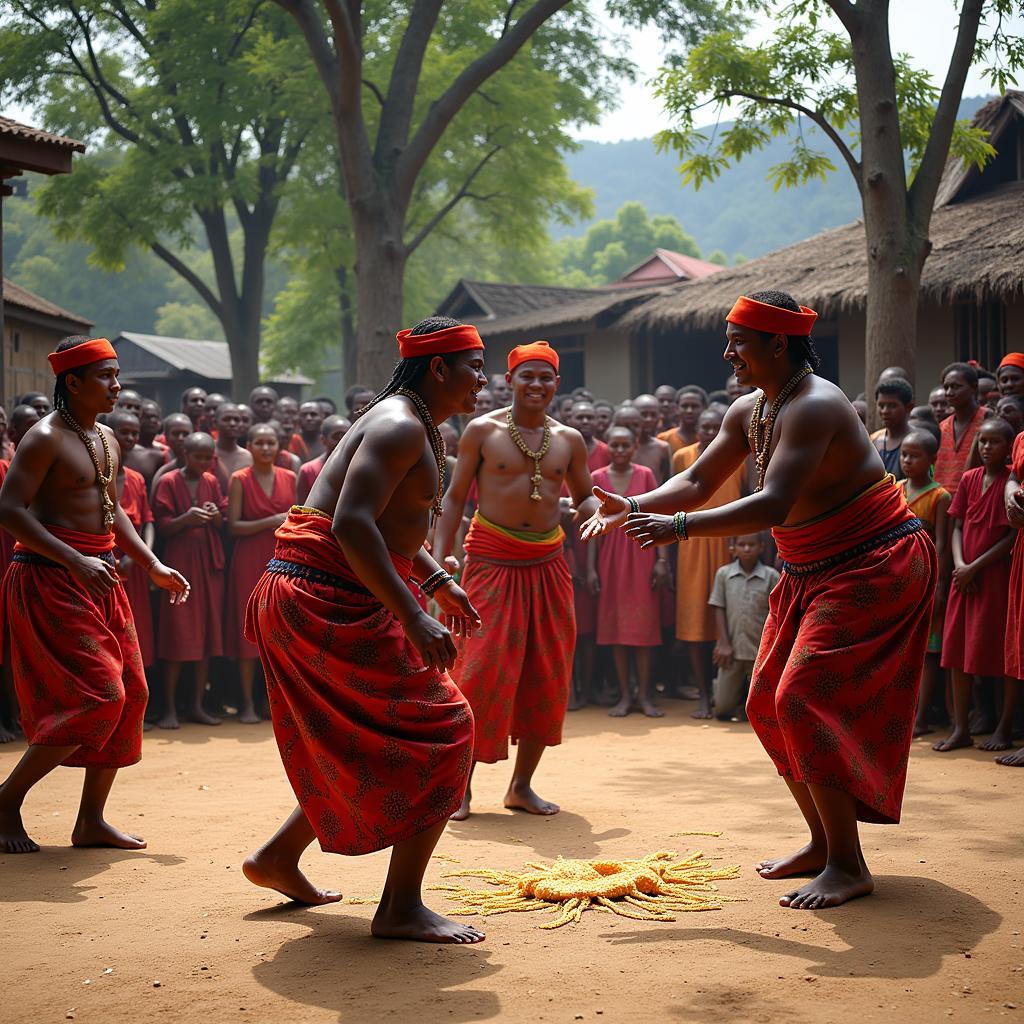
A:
[(973, 642), (739, 597), (628, 606), (930, 503), (894, 398), (189, 508), (259, 498)]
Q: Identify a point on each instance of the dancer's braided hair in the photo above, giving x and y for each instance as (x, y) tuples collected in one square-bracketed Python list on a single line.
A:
[(409, 372), (802, 347)]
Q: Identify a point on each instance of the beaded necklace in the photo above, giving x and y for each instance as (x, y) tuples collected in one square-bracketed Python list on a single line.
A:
[(759, 433), (545, 446), (436, 442), (102, 479)]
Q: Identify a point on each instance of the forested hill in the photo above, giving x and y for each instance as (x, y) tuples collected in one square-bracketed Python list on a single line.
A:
[(739, 213)]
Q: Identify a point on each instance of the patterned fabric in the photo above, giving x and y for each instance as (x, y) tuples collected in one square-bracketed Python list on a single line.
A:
[(973, 638), (193, 630), (76, 661), (249, 555), (517, 670), (834, 690), (1014, 645), (951, 462), (376, 745)]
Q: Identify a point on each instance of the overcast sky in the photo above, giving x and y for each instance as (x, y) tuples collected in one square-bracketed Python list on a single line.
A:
[(926, 29)]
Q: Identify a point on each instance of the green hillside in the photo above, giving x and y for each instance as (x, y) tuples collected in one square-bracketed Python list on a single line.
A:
[(739, 213)]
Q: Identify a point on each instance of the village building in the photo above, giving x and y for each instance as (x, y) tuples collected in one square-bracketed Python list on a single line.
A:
[(162, 368)]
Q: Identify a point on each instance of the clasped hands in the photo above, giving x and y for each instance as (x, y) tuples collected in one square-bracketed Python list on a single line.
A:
[(646, 528)]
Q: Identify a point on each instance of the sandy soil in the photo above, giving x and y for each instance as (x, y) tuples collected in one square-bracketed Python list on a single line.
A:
[(89, 933)]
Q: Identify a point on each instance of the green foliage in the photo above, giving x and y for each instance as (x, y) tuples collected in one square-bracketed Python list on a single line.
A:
[(612, 247)]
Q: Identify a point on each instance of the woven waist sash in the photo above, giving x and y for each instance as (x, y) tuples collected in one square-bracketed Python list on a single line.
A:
[(299, 571), (32, 558), (904, 529)]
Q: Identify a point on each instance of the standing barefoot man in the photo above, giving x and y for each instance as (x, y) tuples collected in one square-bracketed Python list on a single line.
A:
[(74, 650), (834, 686), (375, 737), (517, 674)]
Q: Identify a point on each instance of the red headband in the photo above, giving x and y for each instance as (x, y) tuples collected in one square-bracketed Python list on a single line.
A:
[(438, 343), (535, 350), (1013, 359), (81, 355), (760, 316)]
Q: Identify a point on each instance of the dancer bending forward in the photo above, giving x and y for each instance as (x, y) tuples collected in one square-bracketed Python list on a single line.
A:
[(375, 738), (835, 683)]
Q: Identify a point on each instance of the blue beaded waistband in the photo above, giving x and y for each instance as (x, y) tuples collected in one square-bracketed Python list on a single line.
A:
[(896, 533), (299, 571)]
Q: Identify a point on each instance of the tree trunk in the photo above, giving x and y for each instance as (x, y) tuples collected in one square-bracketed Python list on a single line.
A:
[(380, 277), (348, 353)]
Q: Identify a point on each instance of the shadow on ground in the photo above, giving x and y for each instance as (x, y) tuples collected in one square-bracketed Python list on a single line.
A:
[(339, 966), (564, 833)]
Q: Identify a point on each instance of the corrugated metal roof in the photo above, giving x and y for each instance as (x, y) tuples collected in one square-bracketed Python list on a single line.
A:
[(16, 129), (15, 295), (210, 359)]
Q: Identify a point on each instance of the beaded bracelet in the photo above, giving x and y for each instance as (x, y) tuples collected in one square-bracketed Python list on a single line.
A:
[(679, 525), (437, 574), (634, 505), (430, 588)]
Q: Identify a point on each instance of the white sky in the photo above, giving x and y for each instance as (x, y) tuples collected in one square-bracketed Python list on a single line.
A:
[(926, 29)]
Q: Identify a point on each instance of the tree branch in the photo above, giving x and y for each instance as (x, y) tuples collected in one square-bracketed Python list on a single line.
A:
[(324, 58), (186, 272), (451, 101), (847, 13), (922, 192), (375, 90), (815, 116), (462, 193)]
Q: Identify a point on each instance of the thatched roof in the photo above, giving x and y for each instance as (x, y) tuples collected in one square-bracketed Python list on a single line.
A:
[(597, 310), (976, 254)]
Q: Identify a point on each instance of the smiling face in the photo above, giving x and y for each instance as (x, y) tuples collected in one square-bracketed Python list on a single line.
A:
[(463, 380), (1011, 380), (533, 384), (263, 444), (753, 356)]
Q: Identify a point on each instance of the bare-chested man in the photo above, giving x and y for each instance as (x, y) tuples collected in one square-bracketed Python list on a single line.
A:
[(517, 675), (834, 687), (230, 456), (77, 666), (375, 736), (651, 451), (147, 456)]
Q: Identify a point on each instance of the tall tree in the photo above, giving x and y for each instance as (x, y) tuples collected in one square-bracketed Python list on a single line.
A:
[(204, 109), (893, 128), (387, 120)]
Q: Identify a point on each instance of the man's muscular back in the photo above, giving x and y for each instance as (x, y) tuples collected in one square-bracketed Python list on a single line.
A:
[(503, 473), (388, 445)]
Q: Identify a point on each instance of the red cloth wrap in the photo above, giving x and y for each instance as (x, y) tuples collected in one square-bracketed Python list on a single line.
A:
[(438, 343), (1014, 654), (376, 745), (517, 670), (540, 350), (135, 503), (761, 316), (249, 555), (76, 661), (81, 355), (1013, 359), (834, 688)]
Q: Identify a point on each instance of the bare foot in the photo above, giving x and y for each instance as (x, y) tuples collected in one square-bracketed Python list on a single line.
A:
[(248, 716), (286, 878), (651, 710), (954, 741), (832, 887), (203, 717), (922, 729), (1014, 760), (99, 833), (807, 861), (997, 741), (463, 812), (13, 837), (621, 709), (526, 800), (421, 925), (702, 712), (169, 721)]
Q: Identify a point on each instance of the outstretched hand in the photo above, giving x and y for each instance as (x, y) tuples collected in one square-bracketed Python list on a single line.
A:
[(170, 580), (460, 616), (610, 515), (650, 530)]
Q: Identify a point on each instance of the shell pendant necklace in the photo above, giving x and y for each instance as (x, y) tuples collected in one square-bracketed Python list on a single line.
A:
[(545, 446)]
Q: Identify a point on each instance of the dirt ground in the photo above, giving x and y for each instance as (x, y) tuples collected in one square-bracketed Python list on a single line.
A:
[(88, 933)]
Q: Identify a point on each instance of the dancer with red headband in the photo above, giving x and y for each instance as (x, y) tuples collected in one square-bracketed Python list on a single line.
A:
[(834, 687), (74, 648), (375, 737), (517, 674)]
